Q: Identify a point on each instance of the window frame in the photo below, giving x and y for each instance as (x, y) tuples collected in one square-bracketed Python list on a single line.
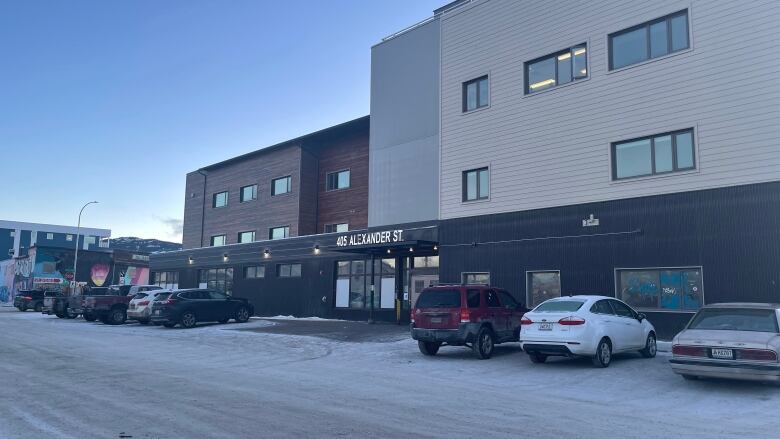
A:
[(673, 134), (241, 193), (214, 199), (528, 291), (291, 265), (465, 274), (464, 187), (273, 185), (464, 93), (254, 236), (555, 55), (271, 232), (257, 270), (224, 239), (648, 51), (619, 296), (328, 188), (335, 228)]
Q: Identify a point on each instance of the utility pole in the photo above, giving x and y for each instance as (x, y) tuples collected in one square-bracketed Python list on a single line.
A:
[(76, 256)]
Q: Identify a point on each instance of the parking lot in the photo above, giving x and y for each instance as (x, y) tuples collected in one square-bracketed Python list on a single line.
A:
[(285, 378)]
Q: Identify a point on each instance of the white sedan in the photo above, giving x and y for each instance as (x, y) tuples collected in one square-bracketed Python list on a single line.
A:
[(585, 326)]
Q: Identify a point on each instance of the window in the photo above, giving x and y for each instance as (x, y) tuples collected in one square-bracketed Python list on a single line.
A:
[(246, 236), (621, 309), (559, 68), (476, 278), (336, 228), (337, 180), (476, 184), (667, 289), (602, 307), (475, 94), (659, 154), (248, 193), (220, 279), (69, 237), (281, 186), (217, 240), (439, 299), (649, 40), (543, 285), (507, 299), (166, 279), (220, 199), (735, 319), (216, 295), (472, 298), (560, 306), (13, 233), (353, 284), (288, 270), (50, 236), (279, 232), (254, 272), (491, 299)]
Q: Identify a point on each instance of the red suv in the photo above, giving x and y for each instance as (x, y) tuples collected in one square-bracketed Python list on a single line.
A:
[(477, 316)]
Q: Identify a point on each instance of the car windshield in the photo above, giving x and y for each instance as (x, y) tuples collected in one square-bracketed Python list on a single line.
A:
[(559, 306), (725, 319), (439, 299)]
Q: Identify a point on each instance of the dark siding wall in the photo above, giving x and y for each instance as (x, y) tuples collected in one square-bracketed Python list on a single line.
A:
[(258, 215), (308, 201), (6, 243), (733, 233), (345, 205), (193, 209), (24, 242)]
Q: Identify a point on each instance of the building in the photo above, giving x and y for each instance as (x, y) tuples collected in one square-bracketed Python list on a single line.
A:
[(619, 148), (17, 237)]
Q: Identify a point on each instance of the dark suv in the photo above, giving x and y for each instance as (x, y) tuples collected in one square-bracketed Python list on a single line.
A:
[(29, 299), (188, 307), (477, 316)]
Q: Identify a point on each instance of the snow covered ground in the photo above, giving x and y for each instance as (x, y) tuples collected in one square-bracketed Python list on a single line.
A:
[(73, 379)]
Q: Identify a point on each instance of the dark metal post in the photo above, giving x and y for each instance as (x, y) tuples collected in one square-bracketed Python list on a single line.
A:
[(371, 308)]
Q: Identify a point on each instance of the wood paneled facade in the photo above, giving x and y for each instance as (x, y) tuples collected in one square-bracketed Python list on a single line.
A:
[(305, 160)]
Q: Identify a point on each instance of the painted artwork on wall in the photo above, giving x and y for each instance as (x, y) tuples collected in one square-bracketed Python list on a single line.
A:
[(132, 275), (54, 268), (7, 281)]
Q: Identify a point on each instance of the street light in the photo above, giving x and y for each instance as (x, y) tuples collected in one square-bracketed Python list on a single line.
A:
[(76, 257)]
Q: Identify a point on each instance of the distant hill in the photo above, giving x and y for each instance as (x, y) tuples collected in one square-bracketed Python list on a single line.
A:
[(131, 243)]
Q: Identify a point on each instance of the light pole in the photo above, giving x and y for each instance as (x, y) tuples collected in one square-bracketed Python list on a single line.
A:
[(76, 257)]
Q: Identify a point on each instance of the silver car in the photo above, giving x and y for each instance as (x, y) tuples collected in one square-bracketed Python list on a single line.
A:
[(730, 340)]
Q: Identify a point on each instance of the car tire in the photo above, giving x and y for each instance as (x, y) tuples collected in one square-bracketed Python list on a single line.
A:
[(70, 315), (143, 321), (651, 347), (690, 377), (484, 344), (603, 355), (156, 323), (223, 321), (169, 324), (38, 307), (537, 358), (61, 315), (116, 316), (188, 320), (428, 347), (22, 308), (242, 314), (89, 317)]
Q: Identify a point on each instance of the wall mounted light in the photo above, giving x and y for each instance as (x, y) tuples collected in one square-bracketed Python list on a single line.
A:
[(266, 253), (388, 251), (224, 257), (316, 249), (435, 248), (190, 260), (411, 249)]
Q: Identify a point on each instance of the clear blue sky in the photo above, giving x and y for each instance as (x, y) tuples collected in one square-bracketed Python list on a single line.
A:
[(117, 100)]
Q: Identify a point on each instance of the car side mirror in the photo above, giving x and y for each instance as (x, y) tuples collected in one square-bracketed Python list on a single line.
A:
[(640, 316)]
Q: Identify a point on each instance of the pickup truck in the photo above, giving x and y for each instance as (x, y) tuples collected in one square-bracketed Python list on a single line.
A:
[(110, 308), (29, 299), (54, 302)]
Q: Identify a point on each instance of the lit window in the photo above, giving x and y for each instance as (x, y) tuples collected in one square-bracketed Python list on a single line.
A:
[(556, 69), (649, 40), (475, 94)]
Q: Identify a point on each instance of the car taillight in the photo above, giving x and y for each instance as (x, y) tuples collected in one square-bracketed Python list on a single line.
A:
[(465, 315), (756, 355), (571, 321), (26, 297), (526, 321), (144, 303), (411, 316), (689, 351)]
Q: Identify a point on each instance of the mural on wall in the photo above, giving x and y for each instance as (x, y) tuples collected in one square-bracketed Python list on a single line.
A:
[(54, 268), (7, 271), (132, 275)]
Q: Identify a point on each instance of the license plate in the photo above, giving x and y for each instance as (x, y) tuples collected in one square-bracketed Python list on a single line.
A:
[(725, 354), (157, 312), (436, 320), (545, 326)]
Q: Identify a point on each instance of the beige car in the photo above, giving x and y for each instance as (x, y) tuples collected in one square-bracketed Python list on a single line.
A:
[(730, 340)]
